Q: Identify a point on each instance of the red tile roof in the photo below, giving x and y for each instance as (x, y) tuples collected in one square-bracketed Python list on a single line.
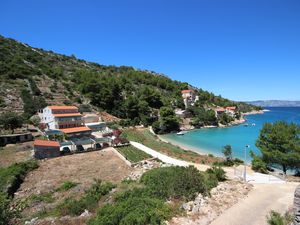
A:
[(75, 130), (46, 143), (220, 109), (186, 91), (231, 108), (66, 114), (62, 107)]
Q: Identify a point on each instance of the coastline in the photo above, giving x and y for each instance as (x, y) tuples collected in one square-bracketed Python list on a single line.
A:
[(187, 147), (201, 151)]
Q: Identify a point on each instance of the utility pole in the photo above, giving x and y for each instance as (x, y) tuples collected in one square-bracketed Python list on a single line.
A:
[(245, 165)]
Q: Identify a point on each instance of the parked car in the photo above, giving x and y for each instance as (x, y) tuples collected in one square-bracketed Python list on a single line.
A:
[(65, 151), (79, 148)]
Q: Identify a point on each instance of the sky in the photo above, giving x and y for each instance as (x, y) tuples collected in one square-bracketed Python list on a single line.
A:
[(240, 49)]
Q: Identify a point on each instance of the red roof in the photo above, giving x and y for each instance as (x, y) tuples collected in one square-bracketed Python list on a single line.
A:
[(186, 91), (220, 109), (62, 107), (46, 143), (231, 108), (75, 130), (66, 114)]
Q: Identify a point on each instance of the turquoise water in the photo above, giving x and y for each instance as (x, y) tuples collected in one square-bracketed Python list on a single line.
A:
[(211, 140)]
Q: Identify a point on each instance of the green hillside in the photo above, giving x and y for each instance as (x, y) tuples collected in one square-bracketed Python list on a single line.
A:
[(31, 78)]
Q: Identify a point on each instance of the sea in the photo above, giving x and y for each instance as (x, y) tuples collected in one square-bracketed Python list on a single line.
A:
[(212, 140)]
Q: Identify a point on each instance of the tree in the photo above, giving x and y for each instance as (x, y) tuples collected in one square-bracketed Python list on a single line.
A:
[(11, 121), (279, 144), (227, 151), (167, 122)]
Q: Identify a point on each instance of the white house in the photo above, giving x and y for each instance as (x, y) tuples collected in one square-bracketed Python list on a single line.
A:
[(189, 97), (60, 117)]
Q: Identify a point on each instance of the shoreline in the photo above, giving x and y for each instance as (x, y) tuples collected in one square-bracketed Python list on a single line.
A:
[(202, 151), (233, 123), (187, 147)]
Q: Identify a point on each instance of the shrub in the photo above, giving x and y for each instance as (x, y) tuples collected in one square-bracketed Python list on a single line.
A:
[(258, 164), (175, 182), (67, 185), (89, 201), (218, 172), (5, 213), (11, 177), (275, 218), (143, 210)]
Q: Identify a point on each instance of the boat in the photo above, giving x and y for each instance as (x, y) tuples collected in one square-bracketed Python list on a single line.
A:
[(253, 124), (181, 133), (246, 125)]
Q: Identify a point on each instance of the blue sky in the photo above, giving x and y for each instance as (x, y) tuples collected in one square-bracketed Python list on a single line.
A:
[(241, 49)]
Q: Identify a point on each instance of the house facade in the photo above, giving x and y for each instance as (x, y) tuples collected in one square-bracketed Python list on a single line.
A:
[(189, 97), (46, 149), (60, 117)]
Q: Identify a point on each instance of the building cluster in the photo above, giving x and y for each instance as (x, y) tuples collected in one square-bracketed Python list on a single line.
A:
[(67, 130)]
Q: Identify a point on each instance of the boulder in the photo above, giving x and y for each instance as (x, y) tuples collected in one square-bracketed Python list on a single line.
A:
[(297, 206)]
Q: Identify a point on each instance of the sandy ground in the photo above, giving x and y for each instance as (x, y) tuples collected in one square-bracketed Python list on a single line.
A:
[(261, 200), (81, 168)]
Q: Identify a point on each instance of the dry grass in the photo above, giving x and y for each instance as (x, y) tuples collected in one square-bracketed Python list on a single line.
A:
[(79, 168), (14, 153)]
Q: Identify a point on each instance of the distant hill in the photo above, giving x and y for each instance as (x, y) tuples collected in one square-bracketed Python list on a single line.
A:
[(275, 103), (31, 78)]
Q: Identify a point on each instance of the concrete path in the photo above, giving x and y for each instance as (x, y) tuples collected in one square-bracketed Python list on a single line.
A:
[(160, 156), (256, 206)]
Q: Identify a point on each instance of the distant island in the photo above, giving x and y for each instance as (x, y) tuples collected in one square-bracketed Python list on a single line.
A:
[(275, 103)]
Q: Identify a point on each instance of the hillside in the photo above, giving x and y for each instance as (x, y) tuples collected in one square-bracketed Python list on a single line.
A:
[(31, 78), (276, 103)]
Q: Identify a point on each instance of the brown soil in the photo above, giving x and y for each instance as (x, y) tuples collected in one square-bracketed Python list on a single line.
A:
[(79, 168)]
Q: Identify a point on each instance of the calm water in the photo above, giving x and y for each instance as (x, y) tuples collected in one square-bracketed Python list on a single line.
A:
[(211, 140)]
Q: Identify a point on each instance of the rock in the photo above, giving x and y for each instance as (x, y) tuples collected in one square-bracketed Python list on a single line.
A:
[(187, 206), (32, 221), (297, 206), (85, 213)]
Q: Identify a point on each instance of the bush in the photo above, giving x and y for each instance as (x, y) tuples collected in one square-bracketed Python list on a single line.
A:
[(174, 182), (67, 185), (275, 218), (5, 213), (218, 172), (89, 201), (145, 205), (12, 177), (258, 164), (143, 210)]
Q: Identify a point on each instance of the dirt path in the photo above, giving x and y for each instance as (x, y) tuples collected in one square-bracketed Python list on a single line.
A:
[(261, 200)]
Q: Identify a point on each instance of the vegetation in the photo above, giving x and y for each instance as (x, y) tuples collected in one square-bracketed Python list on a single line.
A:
[(11, 121), (133, 154), (279, 144), (133, 95), (276, 218), (258, 164), (6, 214), (12, 176), (10, 180), (227, 151), (167, 122), (146, 204), (202, 117), (89, 201), (67, 185)]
